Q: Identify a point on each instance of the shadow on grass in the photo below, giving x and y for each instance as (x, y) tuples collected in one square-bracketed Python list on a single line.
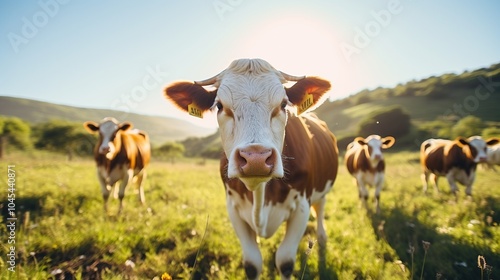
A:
[(30, 207), (447, 257)]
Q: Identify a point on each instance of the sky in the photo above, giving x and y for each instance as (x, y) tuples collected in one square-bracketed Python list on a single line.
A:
[(121, 54)]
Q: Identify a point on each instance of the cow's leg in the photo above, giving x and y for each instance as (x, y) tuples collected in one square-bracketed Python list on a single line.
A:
[(295, 228), (252, 258), (470, 181), (140, 179), (104, 190), (434, 179), (378, 189), (451, 181), (363, 192), (424, 177), (123, 184), (115, 188), (319, 210)]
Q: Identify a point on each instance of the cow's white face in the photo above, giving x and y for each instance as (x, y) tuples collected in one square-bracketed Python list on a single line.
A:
[(252, 118), (375, 145), (251, 102), (107, 132), (478, 149)]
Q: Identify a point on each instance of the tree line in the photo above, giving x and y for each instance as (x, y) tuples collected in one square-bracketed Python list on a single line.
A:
[(71, 138), (65, 137)]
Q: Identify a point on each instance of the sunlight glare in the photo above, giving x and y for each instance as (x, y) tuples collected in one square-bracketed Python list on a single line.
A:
[(299, 45)]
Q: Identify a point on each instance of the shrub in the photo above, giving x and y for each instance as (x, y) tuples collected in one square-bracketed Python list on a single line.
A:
[(390, 121)]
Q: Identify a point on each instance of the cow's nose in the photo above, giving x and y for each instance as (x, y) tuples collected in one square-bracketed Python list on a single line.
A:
[(256, 161), (104, 150), (482, 159)]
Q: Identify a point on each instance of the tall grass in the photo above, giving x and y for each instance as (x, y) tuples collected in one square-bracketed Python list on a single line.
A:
[(67, 233)]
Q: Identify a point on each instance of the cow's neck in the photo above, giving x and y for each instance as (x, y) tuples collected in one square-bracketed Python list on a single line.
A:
[(258, 203)]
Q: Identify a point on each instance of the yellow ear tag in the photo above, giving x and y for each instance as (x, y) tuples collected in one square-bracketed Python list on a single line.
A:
[(306, 103), (194, 110)]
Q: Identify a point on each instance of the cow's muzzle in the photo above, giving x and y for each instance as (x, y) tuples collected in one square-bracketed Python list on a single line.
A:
[(256, 161)]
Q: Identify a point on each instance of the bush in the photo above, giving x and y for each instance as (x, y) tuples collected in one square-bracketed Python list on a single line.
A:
[(467, 126), (390, 121), (491, 132)]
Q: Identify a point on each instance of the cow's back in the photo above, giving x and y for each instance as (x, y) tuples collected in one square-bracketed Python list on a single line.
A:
[(456, 157), (138, 149), (433, 158), (313, 150), (356, 159), (134, 152)]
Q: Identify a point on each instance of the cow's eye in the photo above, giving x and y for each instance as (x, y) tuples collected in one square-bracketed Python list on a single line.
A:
[(283, 105), (219, 106)]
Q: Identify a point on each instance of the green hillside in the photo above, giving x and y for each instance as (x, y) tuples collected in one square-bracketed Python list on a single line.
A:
[(447, 97), (160, 129)]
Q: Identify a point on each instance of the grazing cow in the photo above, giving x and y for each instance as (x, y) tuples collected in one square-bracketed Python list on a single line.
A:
[(121, 153), (276, 163), (457, 160), (365, 162)]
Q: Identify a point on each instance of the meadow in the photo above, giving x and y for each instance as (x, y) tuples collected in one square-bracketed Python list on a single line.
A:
[(183, 230)]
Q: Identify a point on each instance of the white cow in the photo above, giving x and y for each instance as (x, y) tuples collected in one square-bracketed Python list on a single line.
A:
[(259, 128), (365, 162)]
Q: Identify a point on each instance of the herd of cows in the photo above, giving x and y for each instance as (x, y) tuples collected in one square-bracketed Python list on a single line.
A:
[(278, 162)]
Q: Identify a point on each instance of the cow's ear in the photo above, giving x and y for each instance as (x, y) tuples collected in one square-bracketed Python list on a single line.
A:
[(387, 142), (360, 140), (125, 126), (461, 141), (91, 127), (307, 92), (492, 141), (184, 94)]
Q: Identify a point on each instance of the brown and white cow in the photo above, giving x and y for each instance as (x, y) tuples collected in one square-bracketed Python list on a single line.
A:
[(456, 160), (365, 162), (276, 164), (121, 154)]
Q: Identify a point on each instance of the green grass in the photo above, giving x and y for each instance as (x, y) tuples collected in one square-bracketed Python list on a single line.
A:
[(185, 221)]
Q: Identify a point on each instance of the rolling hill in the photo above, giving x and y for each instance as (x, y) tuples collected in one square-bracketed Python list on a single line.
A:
[(445, 97), (160, 129)]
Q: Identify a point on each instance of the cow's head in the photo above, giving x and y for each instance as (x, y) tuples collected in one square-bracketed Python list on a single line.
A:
[(475, 147), (252, 106), (373, 145), (108, 130)]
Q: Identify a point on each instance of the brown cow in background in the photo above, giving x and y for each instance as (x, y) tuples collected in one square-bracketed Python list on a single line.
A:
[(365, 162), (457, 160), (121, 153)]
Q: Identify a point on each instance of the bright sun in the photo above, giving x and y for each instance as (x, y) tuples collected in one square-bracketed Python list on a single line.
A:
[(299, 46)]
